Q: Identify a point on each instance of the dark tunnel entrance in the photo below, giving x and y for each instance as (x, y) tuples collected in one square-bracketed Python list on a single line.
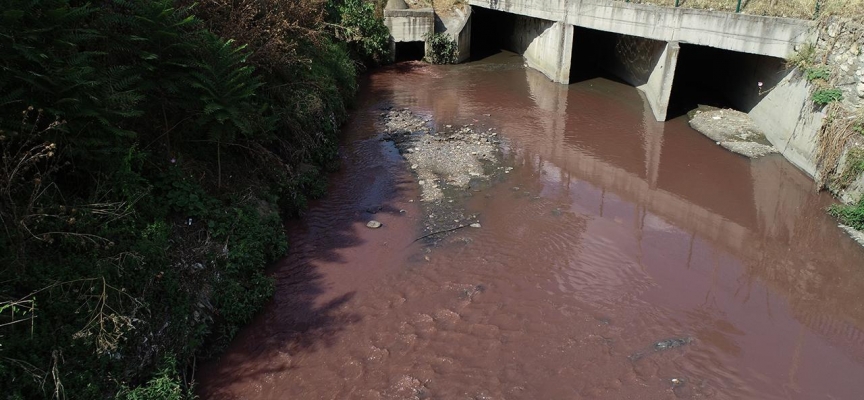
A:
[(490, 31), (410, 51), (593, 51), (721, 78), (703, 75), (624, 58)]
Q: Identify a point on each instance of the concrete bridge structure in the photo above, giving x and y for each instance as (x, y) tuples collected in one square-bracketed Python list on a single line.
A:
[(677, 57), (553, 34), (545, 32)]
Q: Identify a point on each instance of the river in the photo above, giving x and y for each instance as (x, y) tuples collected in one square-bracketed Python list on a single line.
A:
[(613, 237)]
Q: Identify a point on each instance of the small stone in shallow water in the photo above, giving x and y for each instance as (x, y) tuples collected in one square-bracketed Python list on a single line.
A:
[(671, 343), (373, 224), (475, 225)]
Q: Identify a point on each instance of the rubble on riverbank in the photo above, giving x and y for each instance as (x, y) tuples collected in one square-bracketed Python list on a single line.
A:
[(733, 130)]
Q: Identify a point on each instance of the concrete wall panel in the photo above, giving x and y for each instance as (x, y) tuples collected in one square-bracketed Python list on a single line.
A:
[(546, 46), (785, 115), (462, 35), (409, 25)]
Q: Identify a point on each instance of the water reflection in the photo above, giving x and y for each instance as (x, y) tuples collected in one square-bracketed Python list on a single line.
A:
[(613, 232), (704, 232)]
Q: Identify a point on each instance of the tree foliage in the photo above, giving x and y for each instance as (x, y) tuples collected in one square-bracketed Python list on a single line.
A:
[(359, 26), (442, 49), (147, 163)]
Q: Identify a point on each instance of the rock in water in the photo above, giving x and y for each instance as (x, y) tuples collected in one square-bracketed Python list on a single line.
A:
[(663, 345), (671, 343), (373, 224), (475, 225)]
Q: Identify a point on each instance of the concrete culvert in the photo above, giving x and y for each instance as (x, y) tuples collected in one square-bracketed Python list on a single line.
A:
[(410, 51), (721, 78)]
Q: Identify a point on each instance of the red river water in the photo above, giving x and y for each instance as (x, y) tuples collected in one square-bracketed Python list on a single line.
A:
[(623, 232)]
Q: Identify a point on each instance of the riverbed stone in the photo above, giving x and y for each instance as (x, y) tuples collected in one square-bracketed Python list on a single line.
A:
[(373, 224)]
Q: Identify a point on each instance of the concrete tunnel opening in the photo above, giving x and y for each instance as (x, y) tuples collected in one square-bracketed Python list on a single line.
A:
[(594, 55), (703, 75), (409, 51), (490, 30), (722, 78)]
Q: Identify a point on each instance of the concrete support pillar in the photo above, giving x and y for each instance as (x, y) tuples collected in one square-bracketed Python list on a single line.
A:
[(550, 51), (545, 45), (658, 88), (463, 39), (459, 29), (653, 145)]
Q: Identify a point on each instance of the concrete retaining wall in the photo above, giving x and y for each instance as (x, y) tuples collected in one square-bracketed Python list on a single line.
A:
[(776, 37), (409, 25), (658, 87), (649, 65), (786, 116), (546, 46), (461, 33)]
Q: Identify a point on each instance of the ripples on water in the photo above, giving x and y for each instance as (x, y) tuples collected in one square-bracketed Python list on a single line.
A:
[(612, 233)]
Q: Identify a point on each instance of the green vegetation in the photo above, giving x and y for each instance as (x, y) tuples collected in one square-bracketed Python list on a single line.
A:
[(818, 73), (442, 49), (367, 38), (826, 96), (147, 163), (850, 215)]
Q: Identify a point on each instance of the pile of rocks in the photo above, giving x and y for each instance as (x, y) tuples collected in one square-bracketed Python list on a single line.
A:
[(448, 163)]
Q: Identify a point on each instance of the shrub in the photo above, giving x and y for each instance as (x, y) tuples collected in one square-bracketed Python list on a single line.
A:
[(164, 385), (141, 157), (851, 215), (826, 96), (362, 29), (818, 73), (442, 49)]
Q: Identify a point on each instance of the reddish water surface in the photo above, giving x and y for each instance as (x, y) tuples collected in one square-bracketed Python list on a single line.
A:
[(623, 232)]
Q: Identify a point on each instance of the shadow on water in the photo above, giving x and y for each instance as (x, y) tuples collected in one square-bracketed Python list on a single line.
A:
[(308, 312)]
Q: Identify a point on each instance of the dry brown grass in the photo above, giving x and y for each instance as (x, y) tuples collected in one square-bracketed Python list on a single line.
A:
[(804, 9), (833, 138), (270, 28)]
